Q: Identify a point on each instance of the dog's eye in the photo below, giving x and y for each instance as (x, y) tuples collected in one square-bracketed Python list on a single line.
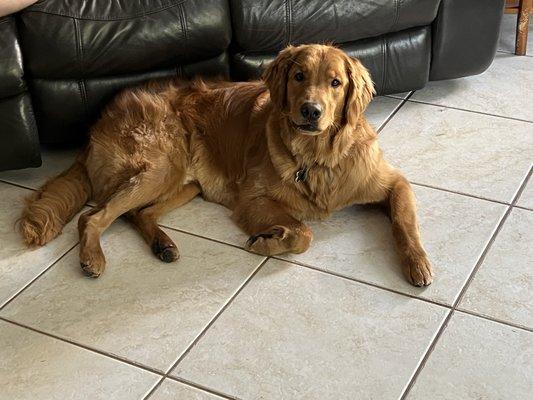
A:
[(299, 76), (335, 82)]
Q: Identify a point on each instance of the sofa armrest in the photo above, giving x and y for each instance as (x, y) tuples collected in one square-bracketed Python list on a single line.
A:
[(464, 37), (19, 141)]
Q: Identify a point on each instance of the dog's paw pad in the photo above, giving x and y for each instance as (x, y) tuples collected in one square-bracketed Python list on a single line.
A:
[(169, 254)]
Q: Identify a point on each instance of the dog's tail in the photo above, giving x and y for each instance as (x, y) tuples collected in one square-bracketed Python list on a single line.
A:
[(49, 209)]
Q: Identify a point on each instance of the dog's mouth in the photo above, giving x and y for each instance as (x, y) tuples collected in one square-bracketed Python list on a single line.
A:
[(309, 129)]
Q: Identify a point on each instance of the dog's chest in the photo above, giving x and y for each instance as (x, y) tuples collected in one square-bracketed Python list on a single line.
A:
[(322, 189)]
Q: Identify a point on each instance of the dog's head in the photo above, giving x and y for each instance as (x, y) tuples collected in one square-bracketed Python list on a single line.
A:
[(318, 87)]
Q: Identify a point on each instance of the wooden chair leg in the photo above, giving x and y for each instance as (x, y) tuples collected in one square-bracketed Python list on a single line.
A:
[(522, 27)]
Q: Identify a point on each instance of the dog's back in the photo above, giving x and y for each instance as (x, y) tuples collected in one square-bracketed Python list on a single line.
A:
[(181, 130)]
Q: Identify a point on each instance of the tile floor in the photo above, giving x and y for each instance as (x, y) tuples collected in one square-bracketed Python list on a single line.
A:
[(337, 322)]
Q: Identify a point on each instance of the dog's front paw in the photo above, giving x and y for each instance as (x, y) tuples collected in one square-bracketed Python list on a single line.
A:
[(419, 271), (164, 248), (268, 243), (92, 264)]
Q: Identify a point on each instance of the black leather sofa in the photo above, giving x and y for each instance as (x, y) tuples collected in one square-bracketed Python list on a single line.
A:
[(61, 60)]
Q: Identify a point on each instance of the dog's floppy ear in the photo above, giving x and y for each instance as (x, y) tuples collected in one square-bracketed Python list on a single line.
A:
[(275, 76), (360, 91)]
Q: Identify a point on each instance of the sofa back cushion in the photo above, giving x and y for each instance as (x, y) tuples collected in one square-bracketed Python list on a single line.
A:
[(268, 26), (79, 54), (102, 37)]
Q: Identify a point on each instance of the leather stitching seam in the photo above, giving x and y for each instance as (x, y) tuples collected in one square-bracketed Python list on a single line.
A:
[(111, 18), (397, 7), (183, 22), (288, 21), (384, 56), (79, 56)]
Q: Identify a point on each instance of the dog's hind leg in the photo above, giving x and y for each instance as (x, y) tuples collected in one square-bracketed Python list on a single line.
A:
[(141, 189), (145, 220)]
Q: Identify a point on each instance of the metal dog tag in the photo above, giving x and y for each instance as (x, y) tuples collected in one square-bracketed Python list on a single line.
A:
[(301, 175)]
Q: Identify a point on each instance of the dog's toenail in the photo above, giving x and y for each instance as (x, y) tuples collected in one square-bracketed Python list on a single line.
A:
[(251, 240)]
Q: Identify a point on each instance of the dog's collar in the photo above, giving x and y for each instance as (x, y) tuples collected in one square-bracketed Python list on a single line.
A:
[(301, 174)]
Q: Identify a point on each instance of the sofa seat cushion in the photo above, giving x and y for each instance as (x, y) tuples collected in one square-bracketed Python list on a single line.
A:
[(105, 38), (266, 26)]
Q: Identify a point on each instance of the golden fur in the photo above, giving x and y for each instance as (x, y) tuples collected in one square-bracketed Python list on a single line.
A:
[(238, 144)]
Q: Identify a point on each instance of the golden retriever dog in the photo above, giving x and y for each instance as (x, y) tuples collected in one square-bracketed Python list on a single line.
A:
[(292, 147)]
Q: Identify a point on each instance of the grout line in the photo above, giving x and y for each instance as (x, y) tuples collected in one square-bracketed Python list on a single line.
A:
[(154, 388), (394, 112), (459, 193), (465, 287), (470, 111), (523, 208), (391, 114), (201, 237), (37, 277), (366, 283), (397, 96), (424, 359), (203, 388), (85, 347), (496, 320), (522, 187), (18, 185), (204, 330)]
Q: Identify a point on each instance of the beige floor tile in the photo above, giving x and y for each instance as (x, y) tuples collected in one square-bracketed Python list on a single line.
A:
[(358, 243), (35, 366), (508, 35), (526, 198), (503, 286), (140, 308), (466, 152), (379, 110), (294, 333), (55, 161), (172, 390), (205, 219), (19, 264), (505, 89), (478, 359)]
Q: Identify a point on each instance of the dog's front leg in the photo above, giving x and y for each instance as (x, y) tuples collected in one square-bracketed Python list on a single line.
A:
[(402, 206), (273, 230)]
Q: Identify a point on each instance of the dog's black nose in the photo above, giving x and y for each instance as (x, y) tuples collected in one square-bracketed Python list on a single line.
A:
[(311, 111)]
